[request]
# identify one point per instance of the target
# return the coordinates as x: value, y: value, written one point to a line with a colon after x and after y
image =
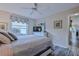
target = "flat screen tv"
x: 37, y: 29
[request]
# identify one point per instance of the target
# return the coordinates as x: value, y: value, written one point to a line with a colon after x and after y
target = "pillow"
x: 13, y: 36
x: 4, y: 39
x: 6, y: 35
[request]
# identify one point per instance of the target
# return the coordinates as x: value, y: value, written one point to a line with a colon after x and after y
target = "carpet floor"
x: 59, y: 51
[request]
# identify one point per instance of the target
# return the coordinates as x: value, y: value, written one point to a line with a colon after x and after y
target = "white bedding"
x: 27, y: 42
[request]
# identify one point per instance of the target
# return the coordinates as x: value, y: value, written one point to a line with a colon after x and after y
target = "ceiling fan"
x: 34, y: 9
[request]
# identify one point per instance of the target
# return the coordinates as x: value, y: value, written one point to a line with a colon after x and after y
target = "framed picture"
x: 58, y: 24
x: 3, y: 26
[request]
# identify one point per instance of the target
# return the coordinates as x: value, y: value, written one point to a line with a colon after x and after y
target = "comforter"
x: 30, y: 45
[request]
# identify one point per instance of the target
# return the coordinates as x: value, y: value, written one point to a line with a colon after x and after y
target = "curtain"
x: 19, y: 18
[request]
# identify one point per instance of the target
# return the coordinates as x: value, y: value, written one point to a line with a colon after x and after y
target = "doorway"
x: 74, y: 33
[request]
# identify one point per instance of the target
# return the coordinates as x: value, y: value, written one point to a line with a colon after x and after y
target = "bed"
x: 29, y: 45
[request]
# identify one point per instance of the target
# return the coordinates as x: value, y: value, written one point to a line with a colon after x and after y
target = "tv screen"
x: 37, y: 29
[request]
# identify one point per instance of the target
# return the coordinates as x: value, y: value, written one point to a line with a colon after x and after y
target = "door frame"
x: 69, y: 25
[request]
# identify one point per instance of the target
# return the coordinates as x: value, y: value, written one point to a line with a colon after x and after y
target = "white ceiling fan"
x: 34, y: 9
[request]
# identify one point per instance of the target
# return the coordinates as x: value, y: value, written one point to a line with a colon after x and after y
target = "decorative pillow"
x: 4, y: 39
x: 13, y: 36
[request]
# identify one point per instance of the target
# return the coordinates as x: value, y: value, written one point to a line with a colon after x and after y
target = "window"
x: 19, y: 28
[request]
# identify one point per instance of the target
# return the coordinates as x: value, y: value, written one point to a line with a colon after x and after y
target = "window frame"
x: 27, y: 28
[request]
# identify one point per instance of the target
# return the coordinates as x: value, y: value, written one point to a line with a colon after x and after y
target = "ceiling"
x: 45, y: 9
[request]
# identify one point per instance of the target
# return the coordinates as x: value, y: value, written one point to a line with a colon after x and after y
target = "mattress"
x: 28, y: 45
x: 35, y: 50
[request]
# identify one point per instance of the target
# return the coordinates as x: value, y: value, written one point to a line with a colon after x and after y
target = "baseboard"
x: 60, y: 46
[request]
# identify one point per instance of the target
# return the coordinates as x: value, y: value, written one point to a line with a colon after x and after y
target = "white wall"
x: 5, y: 18
x: 60, y: 36
x: 75, y: 20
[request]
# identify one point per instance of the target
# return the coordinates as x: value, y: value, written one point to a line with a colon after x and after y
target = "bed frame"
x: 41, y: 50
x: 45, y: 52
